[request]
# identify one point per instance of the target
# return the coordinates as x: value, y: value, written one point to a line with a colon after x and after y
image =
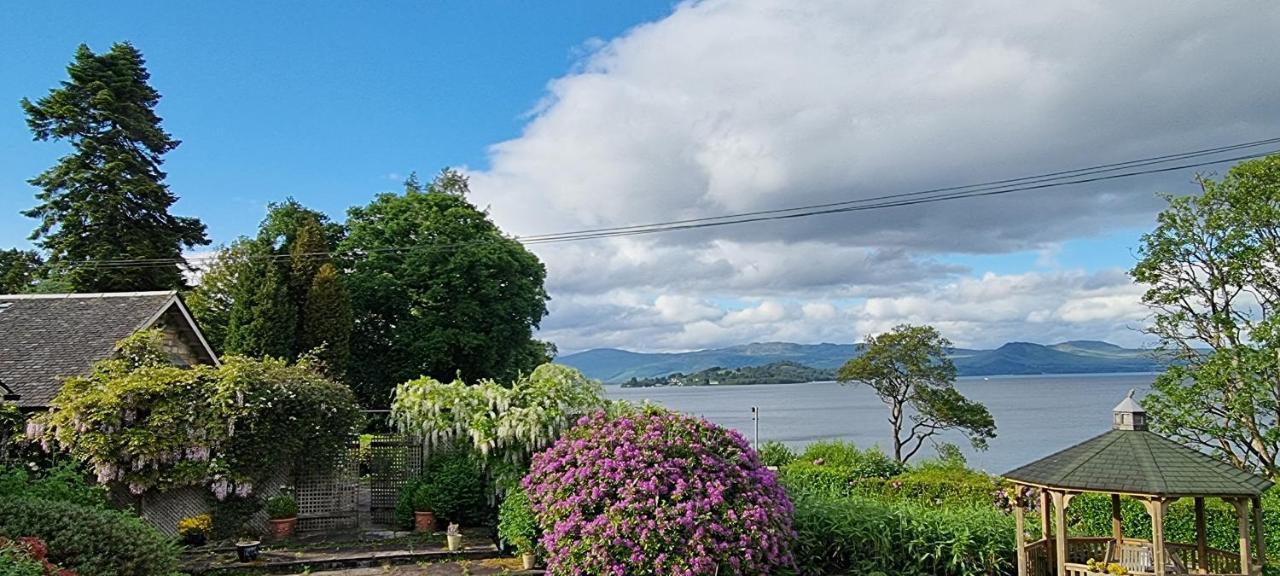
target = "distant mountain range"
x: 1076, y: 357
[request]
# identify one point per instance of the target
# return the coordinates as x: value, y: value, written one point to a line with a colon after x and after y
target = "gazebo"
x: 1131, y: 461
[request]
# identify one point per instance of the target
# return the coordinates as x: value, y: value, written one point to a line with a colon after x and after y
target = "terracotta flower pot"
x: 454, y: 541
x: 528, y: 560
x: 424, y: 521
x: 283, y: 528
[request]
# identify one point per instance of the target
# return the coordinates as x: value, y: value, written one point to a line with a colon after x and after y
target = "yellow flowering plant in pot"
x: 195, y: 530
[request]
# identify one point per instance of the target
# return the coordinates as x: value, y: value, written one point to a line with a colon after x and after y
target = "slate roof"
x: 1139, y: 462
x: 47, y: 337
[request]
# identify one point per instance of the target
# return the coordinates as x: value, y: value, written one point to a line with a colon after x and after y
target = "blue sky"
x: 582, y: 114
x: 321, y: 101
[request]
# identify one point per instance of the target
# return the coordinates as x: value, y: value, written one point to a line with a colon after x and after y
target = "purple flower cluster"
x: 658, y: 493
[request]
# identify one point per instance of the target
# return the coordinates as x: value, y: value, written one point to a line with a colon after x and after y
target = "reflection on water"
x: 1035, y: 415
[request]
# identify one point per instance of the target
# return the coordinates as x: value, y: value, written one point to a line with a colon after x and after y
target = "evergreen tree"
x: 307, y: 253
x: 327, y: 320
x: 263, y: 319
x: 107, y: 199
x: 213, y: 298
x: 20, y: 270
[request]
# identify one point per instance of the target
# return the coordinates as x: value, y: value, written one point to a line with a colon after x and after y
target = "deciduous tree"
x: 107, y: 199
x: 909, y: 370
x: 438, y: 290
x: 1212, y: 271
x: 20, y: 270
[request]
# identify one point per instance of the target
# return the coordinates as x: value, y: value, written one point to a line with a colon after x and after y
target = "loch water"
x: 1035, y: 415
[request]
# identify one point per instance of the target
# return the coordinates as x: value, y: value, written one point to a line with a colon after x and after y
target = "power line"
x: 1061, y: 178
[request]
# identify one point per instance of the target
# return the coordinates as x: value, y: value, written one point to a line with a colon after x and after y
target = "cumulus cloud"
x: 729, y: 106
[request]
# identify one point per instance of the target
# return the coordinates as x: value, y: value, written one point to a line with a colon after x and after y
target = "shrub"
x: 517, y: 524
x: 452, y: 486
x: 64, y: 482
x: 17, y: 560
x: 89, y: 541
x: 200, y: 525
x: 658, y: 493
x: 869, y: 463
x: 853, y: 535
x: 776, y: 454
x: 142, y: 423
x: 934, y: 482
x: 282, y: 506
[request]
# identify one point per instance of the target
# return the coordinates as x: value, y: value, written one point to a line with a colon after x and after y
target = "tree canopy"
x: 107, y: 199
x: 1210, y: 267
x: 908, y: 369
x: 438, y: 290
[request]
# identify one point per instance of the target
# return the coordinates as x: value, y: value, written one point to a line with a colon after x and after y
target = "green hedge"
x: 92, y: 542
x: 64, y: 482
x: 853, y: 535
x: 1091, y: 514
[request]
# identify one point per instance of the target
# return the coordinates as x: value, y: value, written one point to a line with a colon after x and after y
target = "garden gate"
x: 392, y: 460
x: 361, y: 487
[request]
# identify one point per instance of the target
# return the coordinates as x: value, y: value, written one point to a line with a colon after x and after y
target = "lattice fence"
x: 392, y: 460
x: 327, y: 497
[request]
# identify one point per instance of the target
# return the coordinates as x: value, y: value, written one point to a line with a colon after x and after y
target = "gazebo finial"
x: 1129, y: 414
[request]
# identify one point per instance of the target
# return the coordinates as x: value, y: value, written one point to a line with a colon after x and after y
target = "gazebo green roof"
x: 1139, y: 462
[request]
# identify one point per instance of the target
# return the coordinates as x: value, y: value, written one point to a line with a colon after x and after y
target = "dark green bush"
x: 852, y: 535
x: 90, y: 541
x: 452, y: 485
x: 64, y: 482
x: 517, y: 524
x: 776, y: 454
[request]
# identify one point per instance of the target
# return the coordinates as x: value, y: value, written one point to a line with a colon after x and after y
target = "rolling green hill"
x: 1075, y: 357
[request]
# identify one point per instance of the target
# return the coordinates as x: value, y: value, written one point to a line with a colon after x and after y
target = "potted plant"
x: 424, y: 519
x: 453, y: 537
x: 518, y: 526
x: 195, y: 530
x: 283, y: 511
x: 247, y: 549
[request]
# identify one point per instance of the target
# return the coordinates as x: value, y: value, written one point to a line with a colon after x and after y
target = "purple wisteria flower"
x: 658, y: 493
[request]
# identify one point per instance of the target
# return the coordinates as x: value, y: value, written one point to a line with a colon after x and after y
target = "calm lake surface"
x: 1035, y: 415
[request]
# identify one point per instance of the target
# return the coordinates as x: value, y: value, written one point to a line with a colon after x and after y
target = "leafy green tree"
x: 107, y: 199
x: 263, y: 320
x: 439, y: 290
x: 297, y: 239
x: 327, y: 320
x: 1210, y: 268
x: 908, y: 369
x: 20, y: 270
x: 213, y: 298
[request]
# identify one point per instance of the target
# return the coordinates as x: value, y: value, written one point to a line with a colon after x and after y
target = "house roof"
x: 45, y: 338
x: 1139, y: 462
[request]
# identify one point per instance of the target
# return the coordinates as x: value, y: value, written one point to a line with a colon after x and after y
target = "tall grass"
x: 855, y: 535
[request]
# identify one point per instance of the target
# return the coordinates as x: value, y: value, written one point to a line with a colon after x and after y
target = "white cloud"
x: 756, y: 104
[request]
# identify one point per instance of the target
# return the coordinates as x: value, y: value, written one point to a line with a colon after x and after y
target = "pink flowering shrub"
x: 658, y: 493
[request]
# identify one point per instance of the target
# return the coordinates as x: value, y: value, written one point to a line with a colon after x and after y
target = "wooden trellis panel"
x: 392, y: 460
x: 327, y: 496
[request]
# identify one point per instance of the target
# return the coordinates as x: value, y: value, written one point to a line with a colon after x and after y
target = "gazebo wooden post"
x: 1155, y: 507
x: 1019, y: 524
x: 1202, y: 541
x: 1045, y: 523
x: 1117, y: 529
x: 1242, y: 518
x: 1259, y: 531
x: 1060, y: 502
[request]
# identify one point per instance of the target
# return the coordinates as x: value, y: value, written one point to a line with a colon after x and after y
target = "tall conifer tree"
x: 107, y: 199
x: 327, y: 320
